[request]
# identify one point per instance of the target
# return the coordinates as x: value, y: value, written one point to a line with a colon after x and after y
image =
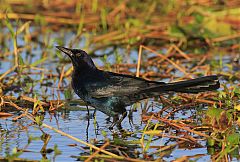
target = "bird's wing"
x: 120, y: 85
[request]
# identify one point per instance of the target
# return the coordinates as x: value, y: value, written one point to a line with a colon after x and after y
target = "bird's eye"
x: 78, y: 54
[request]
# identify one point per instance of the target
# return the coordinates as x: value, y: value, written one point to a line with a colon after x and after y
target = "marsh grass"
x: 171, y: 40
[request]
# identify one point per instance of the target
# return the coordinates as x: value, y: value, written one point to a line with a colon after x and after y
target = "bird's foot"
x: 117, y: 121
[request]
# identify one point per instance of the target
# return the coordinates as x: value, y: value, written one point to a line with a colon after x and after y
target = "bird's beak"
x: 65, y: 50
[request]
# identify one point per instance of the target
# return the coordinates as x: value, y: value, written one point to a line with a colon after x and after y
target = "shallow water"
x: 75, y: 123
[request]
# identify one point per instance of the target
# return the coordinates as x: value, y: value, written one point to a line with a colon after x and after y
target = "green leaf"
x: 39, y: 61
x: 218, y: 27
x: 210, y: 142
x: 227, y: 12
x: 199, y: 18
x: 94, y: 5
x: 237, y: 107
x: 38, y: 120
x: 103, y: 16
x: 59, y: 54
x: 175, y: 31
x: 56, y: 150
x: 39, y: 19
x: 23, y: 27
x: 222, y: 95
x: 214, y: 112
x: 68, y: 94
x: 10, y: 27
x: 45, y: 160
x: 104, y: 133
x: 20, y: 60
x: 233, y: 139
x: 14, y: 150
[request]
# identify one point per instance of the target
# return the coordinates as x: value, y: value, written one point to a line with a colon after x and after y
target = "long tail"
x: 207, y: 83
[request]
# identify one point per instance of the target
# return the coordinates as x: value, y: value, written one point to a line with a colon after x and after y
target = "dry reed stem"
x: 61, y: 77
x: 181, y: 52
x: 186, y: 158
x: 15, y: 50
x: 5, y: 115
x: 225, y: 38
x: 165, y: 148
x: 171, y: 146
x: 8, y: 71
x: 139, y: 60
x: 49, y: 19
x: 82, y: 142
x: 175, y: 137
x: 96, y: 152
x: 199, y: 63
x: 170, y: 61
x: 199, y: 100
x: 33, y: 100
x: 170, y: 122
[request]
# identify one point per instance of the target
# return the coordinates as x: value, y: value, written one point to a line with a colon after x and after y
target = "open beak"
x: 65, y: 50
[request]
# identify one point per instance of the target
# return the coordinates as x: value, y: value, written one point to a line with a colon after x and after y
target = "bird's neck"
x: 81, y: 77
x: 83, y: 71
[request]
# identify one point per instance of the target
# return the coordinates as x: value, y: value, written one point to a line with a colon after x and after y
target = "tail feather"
x: 207, y: 83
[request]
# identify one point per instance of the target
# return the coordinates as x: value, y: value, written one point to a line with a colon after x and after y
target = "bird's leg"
x: 95, y: 123
x: 119, y: 126
x: 88, y: 112
x: 117, y: 121
x: 123, y: 117
x: 88, y: 123
x: 130, y: 117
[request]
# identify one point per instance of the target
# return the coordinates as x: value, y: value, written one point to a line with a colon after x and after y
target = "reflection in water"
x: 37, y: 143
x: 41, y: 143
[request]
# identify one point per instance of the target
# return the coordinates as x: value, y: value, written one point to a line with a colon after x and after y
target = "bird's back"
x: 101, y: 84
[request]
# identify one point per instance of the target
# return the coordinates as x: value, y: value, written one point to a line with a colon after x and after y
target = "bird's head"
x: 80, y: 59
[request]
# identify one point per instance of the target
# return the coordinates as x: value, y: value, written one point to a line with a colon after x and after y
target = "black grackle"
x: 110, y: 92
